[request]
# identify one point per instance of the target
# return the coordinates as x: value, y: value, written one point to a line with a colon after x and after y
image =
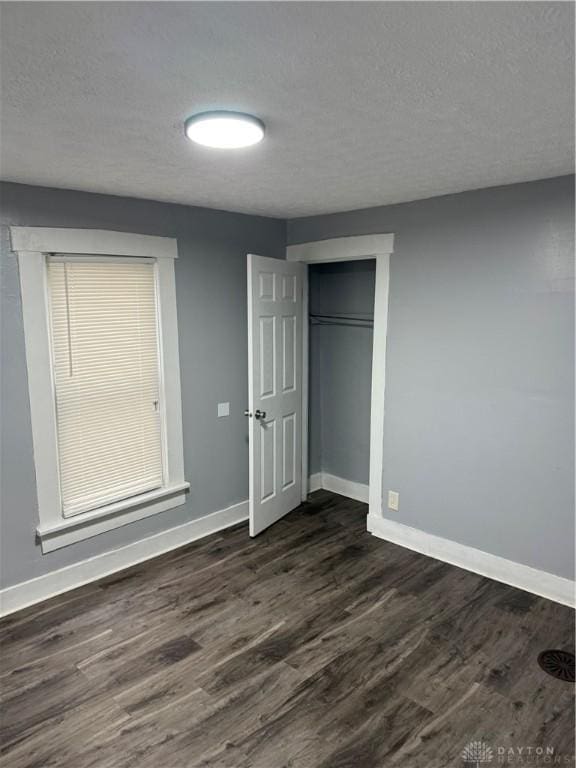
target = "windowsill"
x: 88, y: 524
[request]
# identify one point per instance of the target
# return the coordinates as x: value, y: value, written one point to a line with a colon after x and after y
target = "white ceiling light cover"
x: 224, y: 130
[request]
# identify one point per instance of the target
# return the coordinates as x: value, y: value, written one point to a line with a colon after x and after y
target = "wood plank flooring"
x: 315, y: 645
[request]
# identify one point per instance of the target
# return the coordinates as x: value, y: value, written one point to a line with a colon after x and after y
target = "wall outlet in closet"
x: 393, y: 500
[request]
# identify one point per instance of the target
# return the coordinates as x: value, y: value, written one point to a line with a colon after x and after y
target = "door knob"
x: 247, y: 413
x: 260, y: 414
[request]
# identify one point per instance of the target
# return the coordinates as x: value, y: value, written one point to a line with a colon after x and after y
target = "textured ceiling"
x: 365, y: 103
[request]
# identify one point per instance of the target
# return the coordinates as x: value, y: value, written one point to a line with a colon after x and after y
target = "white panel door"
x: 274, y: 388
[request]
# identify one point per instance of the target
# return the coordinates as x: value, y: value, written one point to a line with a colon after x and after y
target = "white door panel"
x: 275, y: 388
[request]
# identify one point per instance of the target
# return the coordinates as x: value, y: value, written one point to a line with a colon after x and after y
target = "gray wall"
x: 479, y: 390
x: 211, y: 295
x: 341, y: 370
x: 479, y: 419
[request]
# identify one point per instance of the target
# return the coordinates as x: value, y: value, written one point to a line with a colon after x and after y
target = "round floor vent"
x: 559, y: 664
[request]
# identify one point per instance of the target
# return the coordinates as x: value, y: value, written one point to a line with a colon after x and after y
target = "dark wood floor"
x: 314, y: 645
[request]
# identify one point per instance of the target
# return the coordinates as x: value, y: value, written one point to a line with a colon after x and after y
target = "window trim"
x: 33, y: 245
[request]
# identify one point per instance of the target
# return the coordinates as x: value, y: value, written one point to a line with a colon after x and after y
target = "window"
x: 106, y: 380
x: 102, y: 353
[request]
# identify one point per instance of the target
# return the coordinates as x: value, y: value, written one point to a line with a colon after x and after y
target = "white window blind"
x: 106, y: 375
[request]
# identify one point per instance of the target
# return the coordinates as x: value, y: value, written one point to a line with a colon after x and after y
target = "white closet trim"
x: 378, y: 247
x: 342, y: 249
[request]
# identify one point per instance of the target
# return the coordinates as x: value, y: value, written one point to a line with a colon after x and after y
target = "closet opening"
x: 343, y: 420
x: 340, y: 350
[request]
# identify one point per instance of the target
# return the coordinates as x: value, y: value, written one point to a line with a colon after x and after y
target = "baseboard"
x: 356, y: 491
x: 524, y: 577
x: 64, y: 579
x: 541, y: 583
x: 315, y: 482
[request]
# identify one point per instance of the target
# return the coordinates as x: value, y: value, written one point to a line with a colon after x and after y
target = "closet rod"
x: 343, y: 316
x: 354, y: 322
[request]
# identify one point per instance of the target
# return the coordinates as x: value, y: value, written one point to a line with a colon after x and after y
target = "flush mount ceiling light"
x: 224, y: 130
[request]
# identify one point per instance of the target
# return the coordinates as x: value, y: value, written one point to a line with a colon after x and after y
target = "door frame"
x: 356, y: 248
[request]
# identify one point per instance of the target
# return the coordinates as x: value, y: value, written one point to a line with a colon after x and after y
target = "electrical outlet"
x: 223, y: 409
x: 393, y: 500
